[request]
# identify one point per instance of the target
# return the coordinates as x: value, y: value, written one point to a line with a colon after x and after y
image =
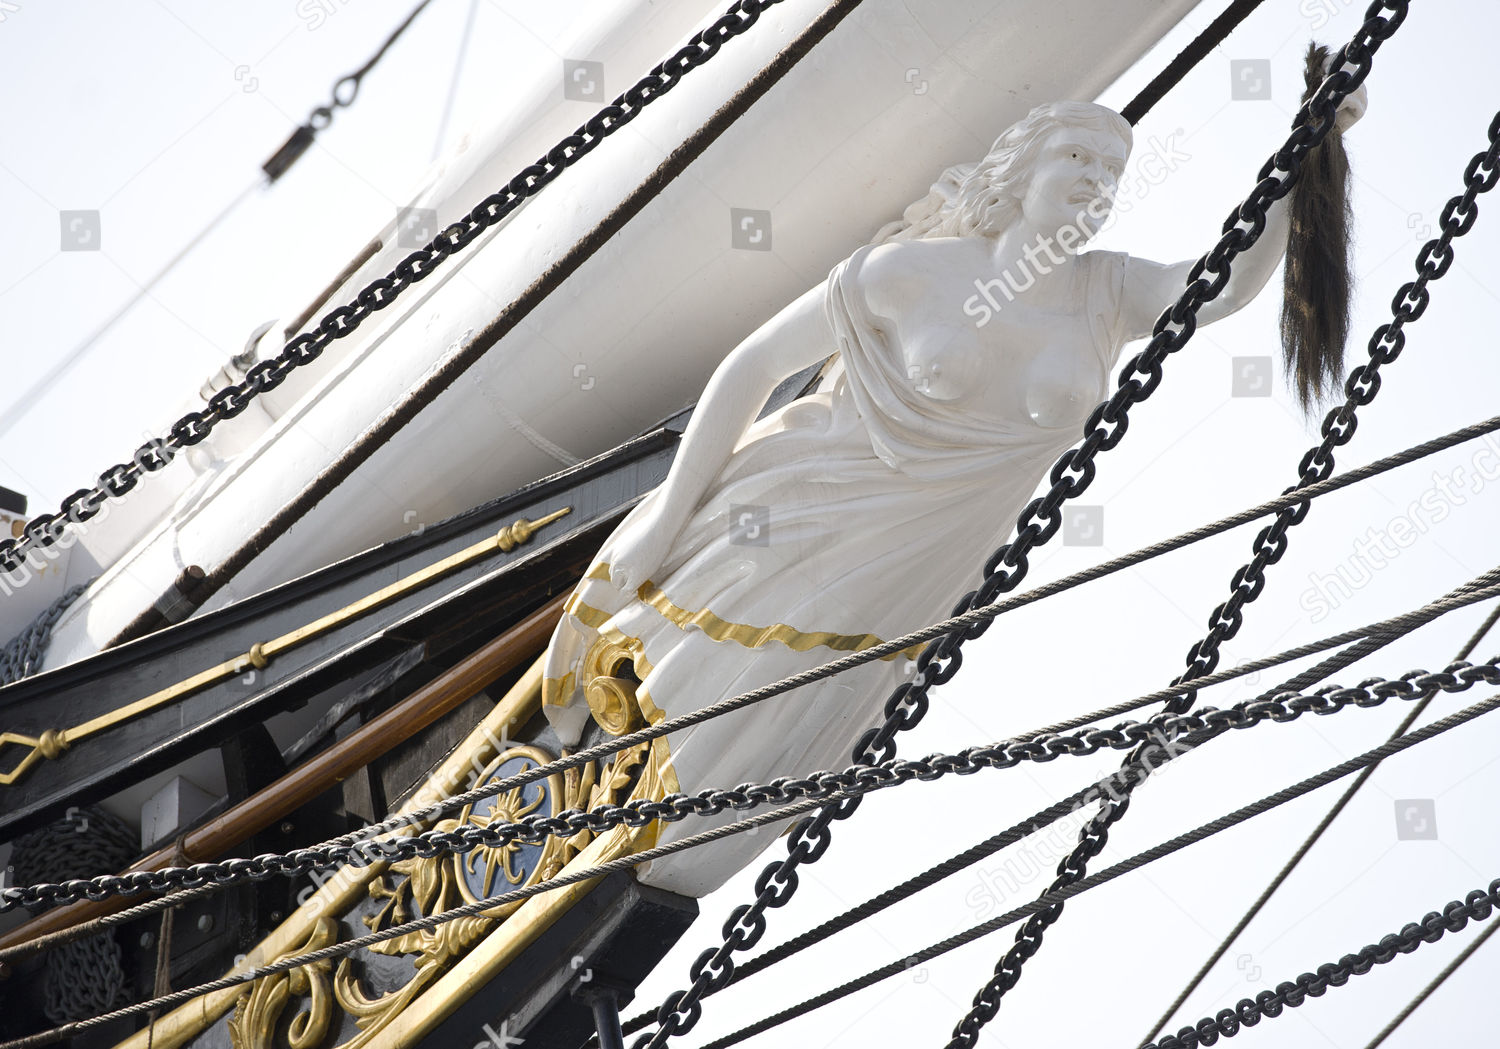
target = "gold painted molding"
x: 534, y: 917
x: 449, y: 962
x: 758, y: 636
x: 53, y: 742
x: 557, y: 692
x: 344, y: 889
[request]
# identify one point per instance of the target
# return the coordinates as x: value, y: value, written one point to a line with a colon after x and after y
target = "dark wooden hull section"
x: 384, y: 651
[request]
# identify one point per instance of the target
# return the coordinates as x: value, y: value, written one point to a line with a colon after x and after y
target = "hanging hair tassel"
x: 1317, y: 278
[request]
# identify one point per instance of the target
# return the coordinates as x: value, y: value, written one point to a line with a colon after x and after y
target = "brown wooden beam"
x: 320, y: 772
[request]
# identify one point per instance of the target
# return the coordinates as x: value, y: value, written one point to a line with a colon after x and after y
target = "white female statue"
x: 972, y: 340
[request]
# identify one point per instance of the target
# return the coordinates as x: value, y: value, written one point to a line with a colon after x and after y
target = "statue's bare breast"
x: 1028, y: 362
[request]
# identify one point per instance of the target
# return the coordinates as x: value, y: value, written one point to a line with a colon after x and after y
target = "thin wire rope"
x: 32, y: 397
x: 852, y: 783
x: 1293, y: 993
x: 774, y: 815
x: 1311, y: 840
x: 458, y: 70
x: 359, y: 74
x: 29, y: 400
x: 1011, y: 835
x: 174, y: 899
x: 1039, y: 521
x: 1363, y: 383
x: 1377, y: 634
x: 1140, y: 859
x: 119, y: 480
x: 420, y: 924
x: 897, y: 645
x: 1437, y: 982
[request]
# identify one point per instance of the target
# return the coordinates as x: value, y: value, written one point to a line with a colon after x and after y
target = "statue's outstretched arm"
x: 1151, y: 287
x: 795, y: 338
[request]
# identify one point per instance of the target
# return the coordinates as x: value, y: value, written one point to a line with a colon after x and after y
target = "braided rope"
x: 536, y: 828
x: 1062, y: 894
x: 818, y: 791
x: 400, y: 822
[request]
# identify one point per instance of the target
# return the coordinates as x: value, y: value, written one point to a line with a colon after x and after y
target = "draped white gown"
x: 882, y: 504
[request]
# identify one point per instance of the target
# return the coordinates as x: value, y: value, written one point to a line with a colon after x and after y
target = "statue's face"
x: 1073, y: 181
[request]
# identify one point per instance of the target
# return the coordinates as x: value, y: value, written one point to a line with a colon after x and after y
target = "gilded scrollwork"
x: 257, y: 1015
x: 411, y: 888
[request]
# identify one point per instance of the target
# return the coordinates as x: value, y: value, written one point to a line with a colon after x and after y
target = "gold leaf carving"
x: 258, y: 1012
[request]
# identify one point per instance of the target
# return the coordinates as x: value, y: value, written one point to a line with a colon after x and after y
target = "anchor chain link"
x: 156, y: 454
x: 1039, y: 522
x: 747, y: 926
x: 1363, y: 382
x: 1477, y: 906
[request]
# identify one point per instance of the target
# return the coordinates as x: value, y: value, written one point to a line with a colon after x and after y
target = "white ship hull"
x: 848, y: 138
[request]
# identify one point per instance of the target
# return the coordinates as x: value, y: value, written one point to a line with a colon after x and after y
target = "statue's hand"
x: 637, y: 553
x: 1351, y: 109
x: 1353, y: 105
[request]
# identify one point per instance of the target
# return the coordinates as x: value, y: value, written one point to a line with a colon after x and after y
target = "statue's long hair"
x: 1318, y: 280
x: 973, y: 199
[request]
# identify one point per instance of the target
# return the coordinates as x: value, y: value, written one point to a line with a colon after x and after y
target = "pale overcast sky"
x: 158, y: 115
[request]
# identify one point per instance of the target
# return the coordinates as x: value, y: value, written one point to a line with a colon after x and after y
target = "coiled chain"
x: 1160, y: 730
x: 157, y: 453
x: 1042, y: 518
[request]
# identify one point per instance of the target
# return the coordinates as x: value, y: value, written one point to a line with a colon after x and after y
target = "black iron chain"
x: 1042, y: 518
x: 1477, y: 906
x: 1363, y: 383
x: 157, y: 453
x: 1160, y: 730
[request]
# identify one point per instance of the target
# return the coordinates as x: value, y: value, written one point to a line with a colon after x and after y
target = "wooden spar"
x: 319, y: 773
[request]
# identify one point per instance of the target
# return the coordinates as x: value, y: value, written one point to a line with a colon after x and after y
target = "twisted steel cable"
x: 1040, y: 521
x: 1363, y: 383
x: 807, y: 794
x: 538, y: 827
x: 1312, y: 839
x: 1061, y: 895
x: 157, y: 453
x: 1378, y: 637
